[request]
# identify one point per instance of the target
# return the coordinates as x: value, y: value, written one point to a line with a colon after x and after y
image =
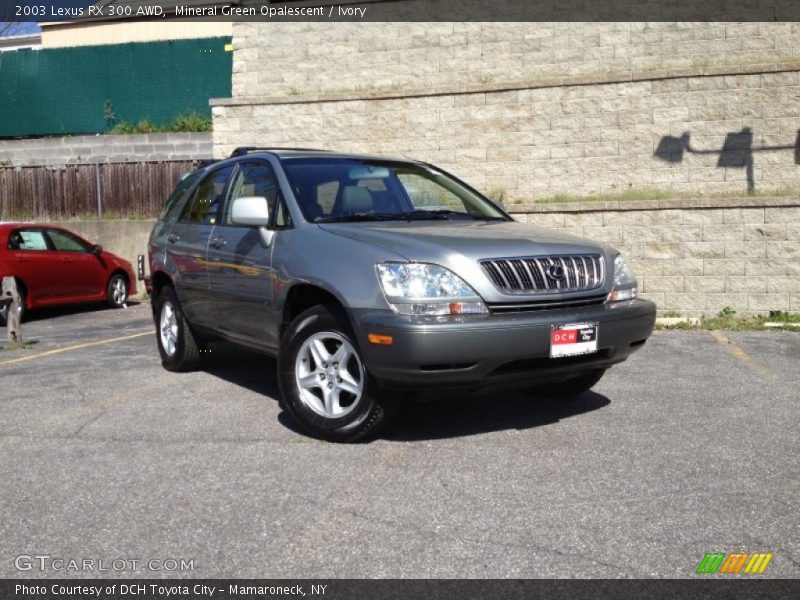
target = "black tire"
x: 184, y: 354
x: 570, y: 387
x: 22, y: 309
x: 366, y: 413
x: 117, y: 291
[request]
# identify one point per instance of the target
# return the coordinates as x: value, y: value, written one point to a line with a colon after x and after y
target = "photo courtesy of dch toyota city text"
x: 399, y: 299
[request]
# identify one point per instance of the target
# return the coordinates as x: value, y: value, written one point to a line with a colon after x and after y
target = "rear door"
x: 31, y: 260
x: 238, y: 261
x: 85, y: 271
x: 187, y: 244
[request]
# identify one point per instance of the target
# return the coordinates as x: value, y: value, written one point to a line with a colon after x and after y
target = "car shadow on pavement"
x: 52, y: 312
x: 436, y: 419
x: 459, y: 417
x: 255, y: 372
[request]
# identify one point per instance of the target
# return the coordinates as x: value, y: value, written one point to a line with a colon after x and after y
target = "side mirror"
x: 97, y: 249
x: 250, y: 210
x: 253, y: 211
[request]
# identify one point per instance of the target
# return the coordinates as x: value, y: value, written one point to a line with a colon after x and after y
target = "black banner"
x: 403, y: 10
x: 403, y: 589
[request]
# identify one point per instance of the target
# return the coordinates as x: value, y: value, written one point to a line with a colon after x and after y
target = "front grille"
x: 518, y: 307
x: 535, y: 274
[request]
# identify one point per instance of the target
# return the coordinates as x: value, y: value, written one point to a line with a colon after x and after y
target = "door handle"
x: 218, y: 242
x: 173, y: 237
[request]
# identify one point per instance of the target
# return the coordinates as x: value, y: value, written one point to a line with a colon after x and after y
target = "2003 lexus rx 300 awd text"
x: 369, y: 277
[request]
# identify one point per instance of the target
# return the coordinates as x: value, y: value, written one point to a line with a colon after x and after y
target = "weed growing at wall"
x: 191, y: 122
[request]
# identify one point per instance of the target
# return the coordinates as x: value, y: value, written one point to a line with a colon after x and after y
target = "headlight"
x: 425, y: 289
x: 624, y: 281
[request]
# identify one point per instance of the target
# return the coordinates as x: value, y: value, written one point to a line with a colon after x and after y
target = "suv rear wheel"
x: 176, y: 343
x: 324, y: 382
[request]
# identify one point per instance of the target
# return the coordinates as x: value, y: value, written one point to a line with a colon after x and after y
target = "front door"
x: 86, y: 272
x: 239, y: 262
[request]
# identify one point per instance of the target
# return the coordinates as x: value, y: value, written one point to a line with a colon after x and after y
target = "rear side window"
x: 27, y: 239
x: 177, y: 198
x: 66, y: 242
x: 204, y: 205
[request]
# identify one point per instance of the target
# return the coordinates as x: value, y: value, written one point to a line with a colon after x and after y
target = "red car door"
x: 85, y: 273
x: 32, y: 261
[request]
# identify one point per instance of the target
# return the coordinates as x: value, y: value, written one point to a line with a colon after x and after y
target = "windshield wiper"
x: 445, y: 213
x: 360, y: 217
x: 411, y: 215
x: 425, y: 214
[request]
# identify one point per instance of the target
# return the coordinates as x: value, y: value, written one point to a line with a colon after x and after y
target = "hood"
x: 439, y: 241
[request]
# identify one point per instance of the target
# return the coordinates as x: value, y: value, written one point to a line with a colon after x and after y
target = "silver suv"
x: 372, y: 278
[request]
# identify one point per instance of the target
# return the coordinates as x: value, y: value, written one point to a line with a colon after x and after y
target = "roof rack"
x: 242, y: 150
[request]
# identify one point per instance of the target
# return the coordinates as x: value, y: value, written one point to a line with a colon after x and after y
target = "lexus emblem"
x: 555, y: 272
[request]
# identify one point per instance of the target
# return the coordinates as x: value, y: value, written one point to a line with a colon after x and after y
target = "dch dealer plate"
x: 573, y: 339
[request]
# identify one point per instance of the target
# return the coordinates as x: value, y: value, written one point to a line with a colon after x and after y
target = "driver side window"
x: 205, y: 204
x: 252, y: 179
x: 65, y: 242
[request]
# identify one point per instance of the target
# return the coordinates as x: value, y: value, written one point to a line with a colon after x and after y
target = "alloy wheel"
x: 168, y: 330
x: 329, y: 374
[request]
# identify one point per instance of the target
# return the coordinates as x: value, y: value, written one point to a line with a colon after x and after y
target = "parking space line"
x: 76, y: 347
x: 753, y: 364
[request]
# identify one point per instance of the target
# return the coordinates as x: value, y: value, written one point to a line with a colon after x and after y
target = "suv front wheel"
x: 324, y: 382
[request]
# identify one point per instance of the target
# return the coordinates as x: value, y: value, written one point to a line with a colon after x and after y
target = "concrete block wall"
x: 531, y: 109
x: 696, y: 257
x: 105, y: 148
x: 298, y: 59
x: 572, y: 139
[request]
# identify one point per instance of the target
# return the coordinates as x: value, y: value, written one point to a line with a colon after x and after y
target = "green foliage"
x: 652, y: 194
x: 629, y: 195
x: 778, y: 316
x: 727, y: 319
x: 670, y: 314
x: 184, y: 123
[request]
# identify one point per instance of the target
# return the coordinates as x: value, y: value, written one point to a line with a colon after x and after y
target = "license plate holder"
x: 573, y: 339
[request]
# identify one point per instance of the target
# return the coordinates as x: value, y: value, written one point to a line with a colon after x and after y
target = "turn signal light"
x: 380, y: 340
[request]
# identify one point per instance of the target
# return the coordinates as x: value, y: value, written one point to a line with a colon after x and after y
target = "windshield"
x: 345, y: 189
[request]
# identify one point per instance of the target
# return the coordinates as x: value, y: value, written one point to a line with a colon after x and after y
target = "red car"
x: 55, y: 266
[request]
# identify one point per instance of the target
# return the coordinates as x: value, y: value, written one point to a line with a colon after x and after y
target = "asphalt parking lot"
x: 690, y: 447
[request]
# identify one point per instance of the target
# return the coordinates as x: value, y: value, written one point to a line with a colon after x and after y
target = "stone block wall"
x: 531, y: 110
x: 696, y: 257
x: 301, y: 59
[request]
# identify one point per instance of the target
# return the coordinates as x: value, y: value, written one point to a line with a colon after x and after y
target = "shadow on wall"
x: 737, y: 151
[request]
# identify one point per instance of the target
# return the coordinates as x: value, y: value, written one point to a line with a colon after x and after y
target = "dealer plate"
x: 573, y: 339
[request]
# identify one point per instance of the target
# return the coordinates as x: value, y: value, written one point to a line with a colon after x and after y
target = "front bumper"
x: 495, y: 351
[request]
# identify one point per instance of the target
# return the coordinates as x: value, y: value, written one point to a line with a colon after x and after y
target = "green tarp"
x: 88, y: 89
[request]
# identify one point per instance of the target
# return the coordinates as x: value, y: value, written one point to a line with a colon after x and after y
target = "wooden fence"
x: 106, y: 190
